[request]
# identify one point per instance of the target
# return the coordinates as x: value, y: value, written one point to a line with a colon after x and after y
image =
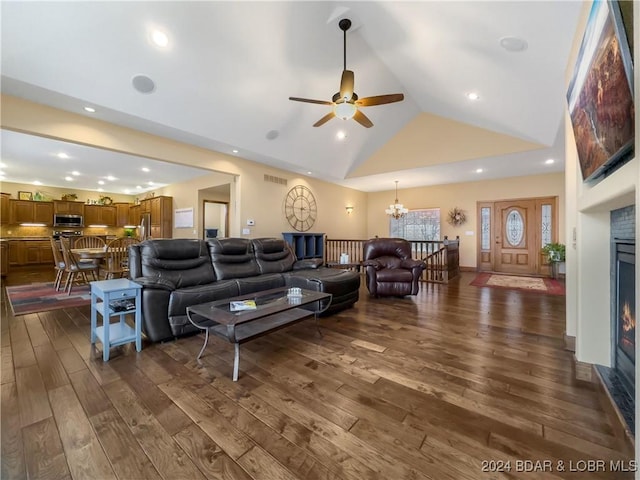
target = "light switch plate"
x: 246, y: 231
x: 469, y: 233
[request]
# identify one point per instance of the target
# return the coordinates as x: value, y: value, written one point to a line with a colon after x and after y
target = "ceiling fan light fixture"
x: 345, y: 110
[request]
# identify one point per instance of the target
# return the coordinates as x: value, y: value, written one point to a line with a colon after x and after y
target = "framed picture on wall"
x: 25, y: 196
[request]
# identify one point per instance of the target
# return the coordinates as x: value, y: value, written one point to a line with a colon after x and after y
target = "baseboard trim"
x: 584, y: 370
x: 468, y: 269
x: 570, y: 343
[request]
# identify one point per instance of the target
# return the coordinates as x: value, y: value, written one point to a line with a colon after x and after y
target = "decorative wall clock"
x: 300, y: 208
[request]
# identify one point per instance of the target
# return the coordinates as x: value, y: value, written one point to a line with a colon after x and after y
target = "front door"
x: 512, y: 233
x: 515, y: 247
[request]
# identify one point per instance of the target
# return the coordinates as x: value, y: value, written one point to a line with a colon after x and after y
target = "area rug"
x: 41, y: 297
x: 514, y: 282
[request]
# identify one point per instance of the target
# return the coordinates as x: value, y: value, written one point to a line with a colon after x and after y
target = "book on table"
x: 240, y: 305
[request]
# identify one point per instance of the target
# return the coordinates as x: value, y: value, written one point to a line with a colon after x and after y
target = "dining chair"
x: 117, y: 259
x: 59, y: 264
x: 73, y: 267
x: 89, y: 241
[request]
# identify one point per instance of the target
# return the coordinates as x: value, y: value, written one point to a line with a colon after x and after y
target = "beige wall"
x: 252, y: 197
x: 465, y: 196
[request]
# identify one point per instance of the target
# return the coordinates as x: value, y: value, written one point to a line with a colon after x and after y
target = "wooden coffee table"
x: 274, y: 310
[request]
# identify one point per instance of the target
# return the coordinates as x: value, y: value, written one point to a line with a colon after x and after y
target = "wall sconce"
x: 349, y: 209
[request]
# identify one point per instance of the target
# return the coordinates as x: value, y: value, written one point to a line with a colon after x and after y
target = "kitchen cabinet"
x: 4, y: 208
x: 134, y: 215
x: 69, y: 208
x: 100, y: 215
x: 161, y: 217
x: 28, y: 211
x: 4, y: 258
x: 122, y: 214
x: 29, y: 252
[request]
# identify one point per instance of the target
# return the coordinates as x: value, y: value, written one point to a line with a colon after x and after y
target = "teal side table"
x: 103, y: 295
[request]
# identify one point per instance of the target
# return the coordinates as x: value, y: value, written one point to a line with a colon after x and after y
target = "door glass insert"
x: 485, y: 228
x: 514, y: 228
x: 546, y: 224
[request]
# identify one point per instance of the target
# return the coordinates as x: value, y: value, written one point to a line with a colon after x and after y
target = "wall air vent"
x: 272, y: 179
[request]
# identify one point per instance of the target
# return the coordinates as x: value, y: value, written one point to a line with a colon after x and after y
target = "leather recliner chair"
x: 389, y: 268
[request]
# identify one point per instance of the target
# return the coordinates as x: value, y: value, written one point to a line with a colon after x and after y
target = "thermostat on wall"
x: 251, y: 222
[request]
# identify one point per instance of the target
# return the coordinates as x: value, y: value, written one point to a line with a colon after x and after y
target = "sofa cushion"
x: 260, y: 283
x: 394, y: 275
x: 185, y: 297
x: 232, y: 258
x: 183, y: 262
x: 273, y: 255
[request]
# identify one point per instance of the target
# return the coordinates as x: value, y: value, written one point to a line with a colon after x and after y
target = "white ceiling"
x: 225, y: 78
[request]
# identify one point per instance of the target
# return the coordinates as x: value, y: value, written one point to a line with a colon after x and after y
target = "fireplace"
x: 624, y: 314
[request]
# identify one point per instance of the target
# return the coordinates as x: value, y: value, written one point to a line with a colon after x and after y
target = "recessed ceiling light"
x: 101, y: 189
x: 513, y: 44
x: 90, y: 109
x: 149, y: 183
x: 549, y: 161
x: 68, y: 178
x: 111, y: 178
x: 159, y: 38
x: 473, y: 96
x: 75, y: 173
x: 138, y: 187
x: 341, y: 135
x: 3, y: 165
x: 62, y: 155
x: 100, y: 182
x: 309, y: 173
x: 37, y: 182
x: 144, y: 169
x: 234, y: 150
x: 479, y: 170
x: 126, y: 190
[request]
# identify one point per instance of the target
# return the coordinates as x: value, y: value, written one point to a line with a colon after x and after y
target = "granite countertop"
x: 6, y: 239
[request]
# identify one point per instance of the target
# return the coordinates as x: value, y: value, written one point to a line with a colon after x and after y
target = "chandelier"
x: 396, y: 210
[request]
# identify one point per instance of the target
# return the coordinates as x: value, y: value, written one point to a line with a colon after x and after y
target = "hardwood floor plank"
x: 89, y: 393
x: 37, y: 334
x: 165, y: 454
x: 51, y: 369
x: 84, y: 453
x: 259, y: 464
x: 32, y: 395
x: 233, y: 442
x: 208, y: 456
x: 7, y: 374
x: 56, y: 334
x: 43, y: 451
x: 122, y: 449
x: 71, y: 360
x: 11, y: 447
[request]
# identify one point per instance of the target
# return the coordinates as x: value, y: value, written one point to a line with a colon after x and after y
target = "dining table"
x: 89, y: 253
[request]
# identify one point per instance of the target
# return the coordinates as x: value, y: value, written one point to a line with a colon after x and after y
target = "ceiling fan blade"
x: 380, y: 100
x: 346, y: 85
x: 362, y: 119
x: 308, y: 100
x: 324, y: 119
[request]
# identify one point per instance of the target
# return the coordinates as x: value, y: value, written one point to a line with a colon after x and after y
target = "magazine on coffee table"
x: 240, y: 305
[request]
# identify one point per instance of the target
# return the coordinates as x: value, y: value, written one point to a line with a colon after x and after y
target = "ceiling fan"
x: 346, y: 102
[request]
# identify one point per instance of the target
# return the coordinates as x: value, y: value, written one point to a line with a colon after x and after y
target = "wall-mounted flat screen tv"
x: 600, y: 95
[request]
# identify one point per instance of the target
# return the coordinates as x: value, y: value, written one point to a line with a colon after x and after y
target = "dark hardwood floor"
x: 459, y: 382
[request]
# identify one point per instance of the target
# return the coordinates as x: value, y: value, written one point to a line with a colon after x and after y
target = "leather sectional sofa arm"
x: 155, y: 283
x: 307, y: 263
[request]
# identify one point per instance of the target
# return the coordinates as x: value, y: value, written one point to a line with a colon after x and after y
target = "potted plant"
x: 555, y: 253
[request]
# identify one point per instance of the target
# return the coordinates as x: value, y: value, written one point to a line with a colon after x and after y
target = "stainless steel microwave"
x: 65, y: 220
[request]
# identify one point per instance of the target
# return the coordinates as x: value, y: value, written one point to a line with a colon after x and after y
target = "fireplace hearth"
x: 620, y: 379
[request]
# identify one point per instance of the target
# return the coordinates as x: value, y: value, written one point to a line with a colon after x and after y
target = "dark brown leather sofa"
x: 389, y: 268
x: 177, y: 273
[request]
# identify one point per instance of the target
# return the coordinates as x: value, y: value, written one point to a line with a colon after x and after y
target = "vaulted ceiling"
x: 224, y: 79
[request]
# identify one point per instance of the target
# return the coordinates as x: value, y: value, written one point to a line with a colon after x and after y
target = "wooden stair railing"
x: 441, y: 257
